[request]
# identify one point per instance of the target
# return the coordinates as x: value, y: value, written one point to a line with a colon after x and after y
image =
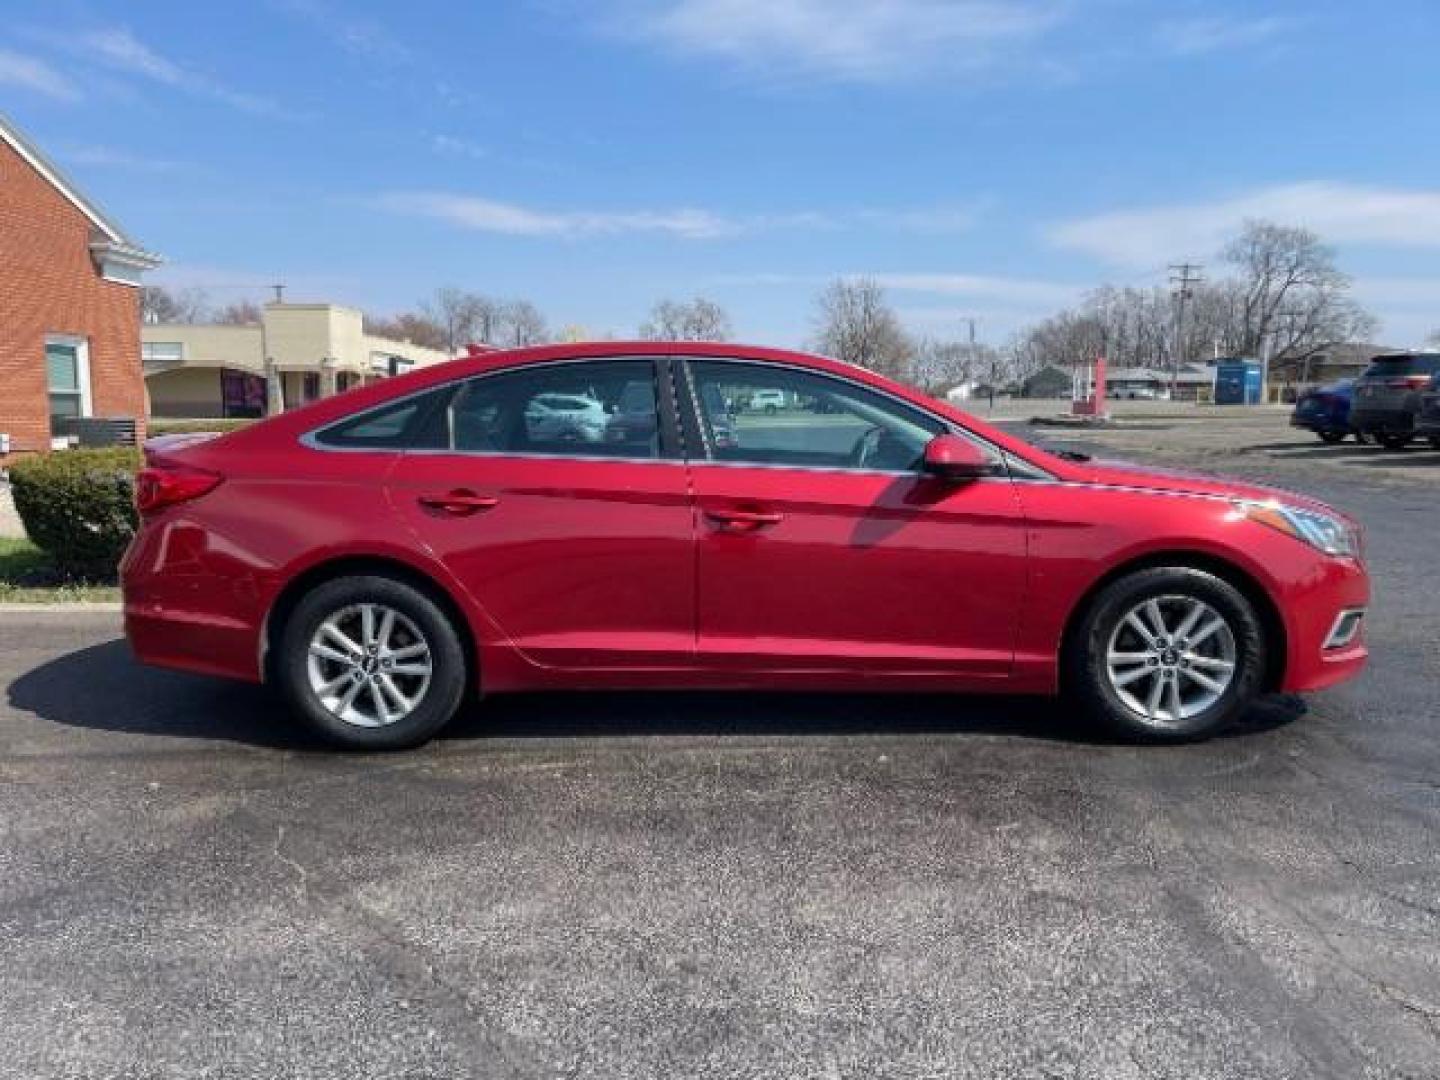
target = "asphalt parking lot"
x: 702, y: 885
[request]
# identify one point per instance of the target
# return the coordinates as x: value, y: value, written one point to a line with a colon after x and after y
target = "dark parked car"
x: 1427, y: 421
x: 1387, y: 396
x: 1325, y: 410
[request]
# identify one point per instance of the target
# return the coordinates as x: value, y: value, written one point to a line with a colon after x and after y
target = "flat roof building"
x: 203, y: 371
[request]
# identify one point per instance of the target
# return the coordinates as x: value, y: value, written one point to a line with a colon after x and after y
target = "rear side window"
x: 1392, y: 367
x: 593, y: 408
x: 414, y: 423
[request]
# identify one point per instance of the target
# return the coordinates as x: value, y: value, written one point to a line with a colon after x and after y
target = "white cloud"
x: 689, y: 223
x: 490, y: 215
x: 110, y: 158
x: 119, y: 49
x: 860, y: 40
x: 32, y: 74
x: 1195, y: 37
x: 453, y: 146
x: 356, y: 34
x: 1340, y: 213
x: 1021, y: 291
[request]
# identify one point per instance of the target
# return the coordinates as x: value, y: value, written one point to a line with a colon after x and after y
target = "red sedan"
x: 683, y: 516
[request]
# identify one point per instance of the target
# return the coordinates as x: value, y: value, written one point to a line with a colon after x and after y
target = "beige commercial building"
x: 203, y: 371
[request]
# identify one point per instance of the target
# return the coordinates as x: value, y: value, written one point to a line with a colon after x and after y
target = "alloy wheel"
x: 369, y: 665
x: 1170, y: 658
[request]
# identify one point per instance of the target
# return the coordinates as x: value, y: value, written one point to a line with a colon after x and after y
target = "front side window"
x: 68, y: 379
x: 594, y: 408
x: 765, y: 415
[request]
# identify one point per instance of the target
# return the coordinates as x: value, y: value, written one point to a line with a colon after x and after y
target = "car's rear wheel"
x: 1394, y: 441
x: 371, y: 663
x: 1167, y: 654
x: 1332, y: 437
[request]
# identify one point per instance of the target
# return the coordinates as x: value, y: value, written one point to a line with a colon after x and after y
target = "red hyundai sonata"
x: 683, y: 516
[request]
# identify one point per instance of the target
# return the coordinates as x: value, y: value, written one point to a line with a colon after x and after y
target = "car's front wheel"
x: 371, y: 663
x: 1393, y: 441
x: 1167, y: 654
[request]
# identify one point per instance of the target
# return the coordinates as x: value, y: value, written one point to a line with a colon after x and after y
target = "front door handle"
x: 462, y: 502
x: 744, y: 520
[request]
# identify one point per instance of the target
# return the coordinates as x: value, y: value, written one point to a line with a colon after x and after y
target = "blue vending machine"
x: 1237, y: 382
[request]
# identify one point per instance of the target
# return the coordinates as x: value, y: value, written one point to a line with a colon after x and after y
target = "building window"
x: 311, y: 386
x: 67, y: 368
x: 162, y: 354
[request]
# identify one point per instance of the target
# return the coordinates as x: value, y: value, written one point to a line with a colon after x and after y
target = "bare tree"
x: 240, y: 313
x: 942, y: 365
x: 855, y: 324
x: 1293, y: 293
x: 519, y: 323
x: 161, y: 305
x: 463, y: 316
x: 697, y: 320
x: 408, y: 326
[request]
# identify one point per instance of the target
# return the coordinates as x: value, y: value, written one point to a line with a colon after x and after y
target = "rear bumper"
x: 183, y: 611
x: 1383, y: 421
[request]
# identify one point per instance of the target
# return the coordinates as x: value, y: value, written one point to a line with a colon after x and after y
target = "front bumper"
x: 1325, y: 638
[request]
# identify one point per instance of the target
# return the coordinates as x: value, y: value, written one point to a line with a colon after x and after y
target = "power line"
x: 1183, y: 279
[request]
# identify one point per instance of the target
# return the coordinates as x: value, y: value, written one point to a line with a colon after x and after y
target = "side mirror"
x: 949, y: 457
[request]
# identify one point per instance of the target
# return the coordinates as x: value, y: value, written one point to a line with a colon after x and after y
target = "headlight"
x: 1324, y: 532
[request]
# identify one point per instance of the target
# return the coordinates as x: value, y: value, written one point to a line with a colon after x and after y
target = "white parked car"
x: 767, y: 401
x: 565, y: 418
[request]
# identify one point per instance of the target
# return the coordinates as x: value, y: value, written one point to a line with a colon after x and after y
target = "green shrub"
x: 78, y: 506
x: 187, y: 427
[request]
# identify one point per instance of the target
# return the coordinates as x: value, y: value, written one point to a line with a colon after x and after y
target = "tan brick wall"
x: 49, y: 284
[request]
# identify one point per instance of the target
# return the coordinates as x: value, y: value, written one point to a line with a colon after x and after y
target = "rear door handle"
x: 744, y: 520
x: 462, y: 502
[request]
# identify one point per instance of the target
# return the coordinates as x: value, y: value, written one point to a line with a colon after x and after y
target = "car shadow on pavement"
x: 102, y: 688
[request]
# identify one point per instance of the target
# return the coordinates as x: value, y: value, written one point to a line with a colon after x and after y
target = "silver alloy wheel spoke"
x: 369, y: 665
x: 1170, y: 658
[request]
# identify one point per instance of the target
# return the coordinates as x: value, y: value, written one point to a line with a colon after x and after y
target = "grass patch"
x: 28, y: 576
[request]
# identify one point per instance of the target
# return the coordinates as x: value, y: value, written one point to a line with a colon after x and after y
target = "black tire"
x: 1086, y: 668
x: 1393, y: 441
x: 1332, y: 437
x: 437, y: 702
x: 1435, y: 442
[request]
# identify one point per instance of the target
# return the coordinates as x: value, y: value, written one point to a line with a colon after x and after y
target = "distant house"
x: 1333, y: 362
x: 201, y: 371
x: 69, y: 304
x: 1187, y: 384
x: 1051, y: 381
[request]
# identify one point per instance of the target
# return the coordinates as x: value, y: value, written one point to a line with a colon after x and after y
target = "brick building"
x: 69, y: 304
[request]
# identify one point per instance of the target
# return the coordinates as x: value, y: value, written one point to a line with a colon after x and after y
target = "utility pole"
x: 1184, y: 277
x: 279, y: 293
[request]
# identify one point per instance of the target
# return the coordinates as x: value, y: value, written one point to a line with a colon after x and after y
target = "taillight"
x: 1409, y: 382
x: 157, y: 487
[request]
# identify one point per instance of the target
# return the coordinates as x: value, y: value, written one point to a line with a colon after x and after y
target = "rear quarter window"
x: 414, y: 423
x: 1391, y: 367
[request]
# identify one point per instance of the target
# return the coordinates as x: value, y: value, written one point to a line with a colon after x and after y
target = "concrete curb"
x: 111, y: 607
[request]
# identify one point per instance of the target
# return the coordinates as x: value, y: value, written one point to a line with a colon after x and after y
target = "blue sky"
x: 983, y: 158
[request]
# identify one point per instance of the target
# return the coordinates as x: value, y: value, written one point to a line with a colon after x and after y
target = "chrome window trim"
x: 1002, y: 455
x: 310, y: 439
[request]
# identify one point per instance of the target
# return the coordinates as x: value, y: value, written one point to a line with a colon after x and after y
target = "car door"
x: 822, y: 547
x: 575, y: 538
